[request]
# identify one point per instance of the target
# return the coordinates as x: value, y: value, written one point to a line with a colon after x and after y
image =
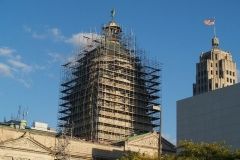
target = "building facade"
x: 30, y: 144
x: 211, y: 117
x: 216, y: 69
x: 109, y: 92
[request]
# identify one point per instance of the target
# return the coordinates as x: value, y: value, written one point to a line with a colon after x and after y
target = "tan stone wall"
x: 78, y: 149
x: 9, y: 154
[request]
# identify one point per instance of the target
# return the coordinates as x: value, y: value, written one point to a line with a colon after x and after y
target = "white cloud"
x: 12, y: 66
x: 56, y: 34
x: 26, y: 83
x: 38, y: 36
x: 33, y: 33
x: 5, y: 51
x: 82, y: 39
x: 56, y: 57
x: 18, y: 65
x: 5, y: 70
x: 53, y: 33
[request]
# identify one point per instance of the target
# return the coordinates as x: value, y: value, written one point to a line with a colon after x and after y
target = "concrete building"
x: 109, y: 92
x: 216, y: 69
x: 42, y: 127
x: 24, y: 143
x: 211, y: 117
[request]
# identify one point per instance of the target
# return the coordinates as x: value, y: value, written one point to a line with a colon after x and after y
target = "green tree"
x: 193, y: 151
x: 136, y: 156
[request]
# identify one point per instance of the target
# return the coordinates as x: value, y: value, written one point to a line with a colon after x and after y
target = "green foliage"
x: 204, y: 151
x: 136, y: 156
x: 193, y: 151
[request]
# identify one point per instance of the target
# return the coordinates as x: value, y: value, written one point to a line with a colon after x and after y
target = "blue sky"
x: 37, y: 36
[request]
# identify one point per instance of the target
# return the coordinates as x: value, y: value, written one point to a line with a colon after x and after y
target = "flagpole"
x: 214, y: 28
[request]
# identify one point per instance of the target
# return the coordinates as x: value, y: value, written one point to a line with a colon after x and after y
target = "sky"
x: 36, y: 37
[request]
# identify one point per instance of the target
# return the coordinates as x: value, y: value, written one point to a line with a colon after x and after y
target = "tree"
x: 188, y: 150
x: 136, y: 156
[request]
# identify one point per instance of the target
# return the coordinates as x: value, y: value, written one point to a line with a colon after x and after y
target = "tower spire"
x: 212, y: 22
x: 215, y: 42
x: 112, y: 30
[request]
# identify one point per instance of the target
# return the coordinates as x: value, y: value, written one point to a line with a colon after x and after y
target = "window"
x: 227, y: 80
x: 216, y: 85
x: 227, y: 71
x: 233, y: 73
x: 216, y: 72
x: 211, y: 64
x: 221, y: 73
x: 230, y: 72
x: 230, y: 80
x: 216, y: 56
x: 211, y: 72
x: 216, y: 65
x: 233, y: 81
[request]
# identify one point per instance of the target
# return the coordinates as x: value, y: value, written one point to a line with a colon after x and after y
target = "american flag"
x: 209, y: 22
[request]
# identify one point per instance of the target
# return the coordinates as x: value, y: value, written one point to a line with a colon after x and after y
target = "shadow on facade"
x: 99, y: 154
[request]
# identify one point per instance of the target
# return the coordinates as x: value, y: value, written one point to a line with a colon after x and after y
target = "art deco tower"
x: 216, y: 69
x: 109, y: 92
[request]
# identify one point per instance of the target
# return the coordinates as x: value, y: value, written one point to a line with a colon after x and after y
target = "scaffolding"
x: 110, y: 91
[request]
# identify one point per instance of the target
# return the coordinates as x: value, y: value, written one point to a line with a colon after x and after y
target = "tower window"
x: 210, y: 86
x: 221, y: 73
x: 211, y: 72
x: 233, y: 73
x: 216, y: 56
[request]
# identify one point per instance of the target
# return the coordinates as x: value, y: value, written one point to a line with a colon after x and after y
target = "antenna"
x: 22, y: 113
x: 25, y: 113
x: 19, y: 112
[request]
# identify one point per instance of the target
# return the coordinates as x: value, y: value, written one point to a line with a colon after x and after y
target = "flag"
x: 209, y: 22
x: 113, y: 13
